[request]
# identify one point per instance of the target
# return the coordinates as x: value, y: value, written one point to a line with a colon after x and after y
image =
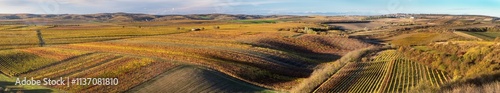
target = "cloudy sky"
x: 326, y: 7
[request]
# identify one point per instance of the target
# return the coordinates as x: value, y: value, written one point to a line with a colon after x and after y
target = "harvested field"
x: 192, y: 79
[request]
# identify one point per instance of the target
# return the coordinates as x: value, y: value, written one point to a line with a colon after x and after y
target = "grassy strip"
x: 484, y: 35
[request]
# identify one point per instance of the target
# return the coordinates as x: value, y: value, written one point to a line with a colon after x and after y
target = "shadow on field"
x: 368, y: 40
x: 3, y: 84
x: 298, y: 50
x: 194, y: 79
x: 37, y: 91
x: 9, y: 87
x: 281, y: 70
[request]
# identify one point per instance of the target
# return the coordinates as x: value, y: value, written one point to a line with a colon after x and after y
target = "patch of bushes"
x: 463, y: 61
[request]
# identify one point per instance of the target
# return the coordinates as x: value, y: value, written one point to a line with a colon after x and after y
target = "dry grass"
x: 492, y: 87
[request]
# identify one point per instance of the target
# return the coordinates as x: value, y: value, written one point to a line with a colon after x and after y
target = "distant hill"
x: 127, y: 17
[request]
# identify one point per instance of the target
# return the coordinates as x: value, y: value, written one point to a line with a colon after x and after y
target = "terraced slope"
x: 131, y: 70
x: 14, y: 62
x: 192, y: 79
x: 388, y: 72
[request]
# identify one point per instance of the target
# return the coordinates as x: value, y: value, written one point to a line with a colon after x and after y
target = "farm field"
x: 418, y: 39
x: 232, y: 57
x: 25, y: 38
x: 89, y: 64
x: 249, y: 53
x: 195, y: 79
x: 415, y: 39
x: 228, y: 50
x: 388, y: 72
x: 485, y: 35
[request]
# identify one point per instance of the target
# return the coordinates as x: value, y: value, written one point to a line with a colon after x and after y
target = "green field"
x: 485, y: 35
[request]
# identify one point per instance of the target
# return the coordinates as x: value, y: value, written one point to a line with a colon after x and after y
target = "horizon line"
x: 284, y: 14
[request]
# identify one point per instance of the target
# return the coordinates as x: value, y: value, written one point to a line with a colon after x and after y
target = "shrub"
x: 497, y: 39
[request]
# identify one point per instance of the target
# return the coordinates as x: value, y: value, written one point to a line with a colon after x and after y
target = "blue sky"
x: 265, y: 7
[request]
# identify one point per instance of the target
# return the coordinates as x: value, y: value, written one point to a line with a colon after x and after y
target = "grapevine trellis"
x: 388, y: 72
